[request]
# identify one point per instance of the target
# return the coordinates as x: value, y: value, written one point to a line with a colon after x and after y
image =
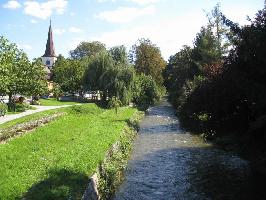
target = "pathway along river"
x: 167, y: 163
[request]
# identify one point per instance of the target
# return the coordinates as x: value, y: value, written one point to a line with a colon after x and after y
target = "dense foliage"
x: 87, y: 49
x: 3, y: 109
x: 68, y: 73
x: 110, y: 72
x: 17, y: 74
x: 145, y: 91
x: 147, y: 59
x: 222, y: 94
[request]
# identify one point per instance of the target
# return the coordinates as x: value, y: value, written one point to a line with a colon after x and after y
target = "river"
x: 168, y: 163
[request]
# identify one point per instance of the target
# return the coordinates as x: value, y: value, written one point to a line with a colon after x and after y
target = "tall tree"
x: 68, y: 73
x: 206, y: 48
x: 110, y: 77
x: 147, y: 59
x: 180, y: 68
x: 18, y: 75
x: 119, y: 54
x: 87, y: 49
x: 220, y: 31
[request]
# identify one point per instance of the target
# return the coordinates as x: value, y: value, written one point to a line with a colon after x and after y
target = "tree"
x: 68, y: 73
x: 180, y: 68
x: 206, y: 48
x: 119, y: 55
x: 98, y: 66
x: 147, y: 59
x: 145, y: 91
x: 220, y: 31
x: 114, y: 80
x: 18, y: 75
x: 39, y: 85
x: 87, y: 49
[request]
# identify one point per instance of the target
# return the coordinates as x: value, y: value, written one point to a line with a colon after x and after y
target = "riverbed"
x: 168, y: 163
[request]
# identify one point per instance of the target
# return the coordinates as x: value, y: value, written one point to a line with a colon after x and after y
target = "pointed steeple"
x: 49, y: 51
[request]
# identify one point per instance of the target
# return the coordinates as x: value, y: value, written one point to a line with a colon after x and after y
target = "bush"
x: 56, y: 90
x: 145, y: 91
x: 3, y: 109
x: 21, y: 107
x: 114, y: 103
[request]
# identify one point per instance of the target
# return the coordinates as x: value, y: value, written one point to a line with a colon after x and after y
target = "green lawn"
x: 55, y: 161
x: 28, y: 118
x: 55, y: 102
x: 18, y: 111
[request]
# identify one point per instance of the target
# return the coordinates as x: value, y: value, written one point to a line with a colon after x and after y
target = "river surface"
x: 168, y: 163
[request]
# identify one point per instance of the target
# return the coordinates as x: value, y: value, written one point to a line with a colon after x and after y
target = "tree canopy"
x: 87, y: 49
x: 18, y: 75
x: 68, y: 73
x: 147, y: 59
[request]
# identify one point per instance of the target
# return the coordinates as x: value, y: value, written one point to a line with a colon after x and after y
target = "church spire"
x: 49, y: 51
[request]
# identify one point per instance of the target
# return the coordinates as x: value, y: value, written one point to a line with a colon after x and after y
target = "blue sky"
x: 169, y: 24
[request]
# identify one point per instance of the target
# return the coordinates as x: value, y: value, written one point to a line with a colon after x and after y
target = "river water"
x: 168, y: 163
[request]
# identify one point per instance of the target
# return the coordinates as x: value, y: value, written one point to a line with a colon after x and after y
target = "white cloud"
x: 75, y: 30
x: 33, y: 21
x: 12, y: 5
x: 45, y: 9
x: 72, y: 14
x: 168, y: 34
x: 59, y: 31
x: 125, y: 14
x: 24, y: 46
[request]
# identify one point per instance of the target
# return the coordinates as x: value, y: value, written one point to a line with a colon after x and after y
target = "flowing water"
x: 167, y: 163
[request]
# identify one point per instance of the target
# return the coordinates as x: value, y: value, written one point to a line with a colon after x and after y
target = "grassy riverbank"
x: 55, y: 161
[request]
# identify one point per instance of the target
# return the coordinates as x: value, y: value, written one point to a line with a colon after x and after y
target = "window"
x: 48, y: 62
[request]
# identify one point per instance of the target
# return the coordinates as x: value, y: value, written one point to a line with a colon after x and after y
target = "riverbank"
x: 110, y: 172
x: 55, y: 161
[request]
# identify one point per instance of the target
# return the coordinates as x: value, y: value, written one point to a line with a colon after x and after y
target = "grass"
x: 19, y: 111
x: 28, y: 118
x: 55, y: 161
x: 55, y: 102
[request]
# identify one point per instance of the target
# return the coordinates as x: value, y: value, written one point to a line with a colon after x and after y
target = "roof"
x: 49, y: 51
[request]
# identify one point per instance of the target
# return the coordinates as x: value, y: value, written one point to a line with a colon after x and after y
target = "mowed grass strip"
x: 55, y: 161
x: 31, y: 117
x: 55, y: 102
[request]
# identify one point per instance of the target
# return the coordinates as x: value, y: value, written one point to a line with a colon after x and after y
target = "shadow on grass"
x: 61, y: 184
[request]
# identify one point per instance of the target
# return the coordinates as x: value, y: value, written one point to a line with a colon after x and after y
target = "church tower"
x: 49, y: 57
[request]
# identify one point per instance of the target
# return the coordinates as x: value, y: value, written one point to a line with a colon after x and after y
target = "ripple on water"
x: 167, y: 163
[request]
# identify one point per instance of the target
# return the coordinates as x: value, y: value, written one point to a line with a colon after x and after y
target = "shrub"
x: 114, y: 103
x: 3, y: 109
x: 146, y: 91
x: 21, y: 107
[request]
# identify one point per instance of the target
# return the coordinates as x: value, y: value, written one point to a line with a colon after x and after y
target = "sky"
x: 169, y: 24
